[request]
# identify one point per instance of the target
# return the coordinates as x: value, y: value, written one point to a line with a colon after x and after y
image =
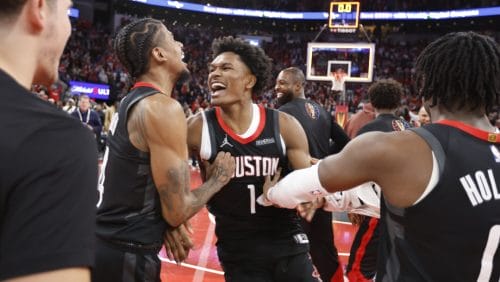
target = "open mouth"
x: 279, y: 94
x: 216, y: 87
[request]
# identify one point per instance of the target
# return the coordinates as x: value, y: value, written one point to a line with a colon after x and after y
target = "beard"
x: 285, y: 98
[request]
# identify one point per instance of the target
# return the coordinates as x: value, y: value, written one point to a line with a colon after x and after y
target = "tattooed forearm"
x: 179, y: 203
x: 220, y: 174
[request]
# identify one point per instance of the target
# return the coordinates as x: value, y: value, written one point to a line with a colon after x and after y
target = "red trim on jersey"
x: 230, y: 132
x: 476, y: 132
x: 355, y: 273
x: 338, y: 276
x: 145, y: 84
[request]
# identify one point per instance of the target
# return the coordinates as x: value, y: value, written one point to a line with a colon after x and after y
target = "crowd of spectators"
x: 89, y: 57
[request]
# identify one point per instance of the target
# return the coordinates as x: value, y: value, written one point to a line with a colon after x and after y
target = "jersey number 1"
x: 251, y: 187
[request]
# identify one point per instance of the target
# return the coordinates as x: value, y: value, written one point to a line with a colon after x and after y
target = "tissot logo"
x: 265, y: 141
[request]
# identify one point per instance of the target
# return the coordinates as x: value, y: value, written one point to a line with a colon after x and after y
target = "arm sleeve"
x: 297, y: 187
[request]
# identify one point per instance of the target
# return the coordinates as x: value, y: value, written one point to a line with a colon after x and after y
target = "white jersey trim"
x: 434, y: 179
x: 283, y: 145
x: 205, y: 148
x: 254, y: 124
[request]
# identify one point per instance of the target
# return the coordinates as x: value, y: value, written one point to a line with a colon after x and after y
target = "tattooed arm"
x: 157, y: 125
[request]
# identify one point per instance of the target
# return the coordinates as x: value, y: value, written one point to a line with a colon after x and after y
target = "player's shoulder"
x: 195, y: 121
x: 160, y: 106
x: 385, y: 143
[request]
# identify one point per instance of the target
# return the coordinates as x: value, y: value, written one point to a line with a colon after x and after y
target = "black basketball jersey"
x: 244, y: 228
x: 129, y: 208
x: 317, y: 124
x: 452, y: 233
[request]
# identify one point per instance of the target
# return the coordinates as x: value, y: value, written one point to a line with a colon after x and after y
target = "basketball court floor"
x: 202, y: 263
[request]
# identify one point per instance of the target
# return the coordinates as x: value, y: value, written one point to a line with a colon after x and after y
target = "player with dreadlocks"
x: 440, y: 211
x: 144, y: 184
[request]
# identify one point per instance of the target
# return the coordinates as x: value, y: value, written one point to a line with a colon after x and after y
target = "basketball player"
x: 47, y: 188
x: 255, y: 243
x: 320, y: 129
x: 385, y: 97
x: 441, y: 207
x: 144, y: 186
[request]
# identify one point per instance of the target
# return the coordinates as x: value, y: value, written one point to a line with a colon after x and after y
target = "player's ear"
x: 250, y: 81
x: 36, y: 11
x: 159, y: 54
x: 297, y: 86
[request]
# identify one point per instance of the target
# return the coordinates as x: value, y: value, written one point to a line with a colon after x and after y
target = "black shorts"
x: 295, y: 268
x: 116, y: 263
x: 364, y: 251
x: 322, y: 250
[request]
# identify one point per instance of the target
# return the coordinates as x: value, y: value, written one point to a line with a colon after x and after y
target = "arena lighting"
x: 320, y: 16
x: 74, y: 13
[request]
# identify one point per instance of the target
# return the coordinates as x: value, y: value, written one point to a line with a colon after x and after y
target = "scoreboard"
x: 344, y: 15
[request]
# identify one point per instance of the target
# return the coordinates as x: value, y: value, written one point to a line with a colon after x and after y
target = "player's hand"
x: 355, y: 219
x: 270, y: 182
x: 178, y: 242
x: 307, y: 210
x: 221, y: 169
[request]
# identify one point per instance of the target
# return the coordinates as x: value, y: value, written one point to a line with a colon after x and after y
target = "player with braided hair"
x: 440, y: 208
x: 144, y: 186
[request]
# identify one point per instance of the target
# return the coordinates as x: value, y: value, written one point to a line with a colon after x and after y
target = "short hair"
x: 84, y: 96
x: 253, y: 57
x: 134, y: 43
x: 385, y: 94
x: 12, y: 8
x: 297, y: 74
x: 460, y: 70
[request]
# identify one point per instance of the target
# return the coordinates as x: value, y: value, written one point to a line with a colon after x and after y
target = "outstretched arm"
x: 379, y: 157
x: 157, y: 124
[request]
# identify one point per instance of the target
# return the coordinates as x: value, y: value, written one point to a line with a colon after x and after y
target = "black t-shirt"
x: 48, y: 180
x: 385, y: 123
x: 318, y: 126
